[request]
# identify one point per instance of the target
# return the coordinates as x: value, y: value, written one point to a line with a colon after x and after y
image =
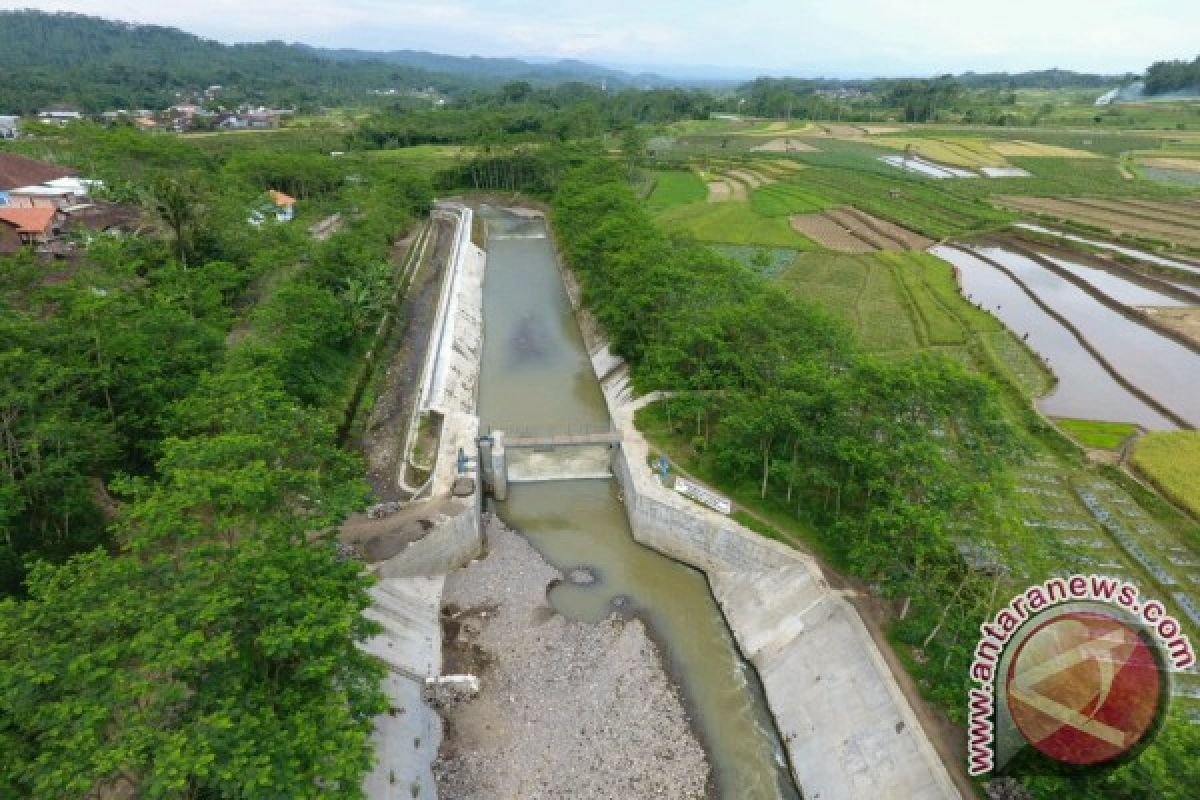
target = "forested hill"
x: 100, y: 64
x: 507, y: 69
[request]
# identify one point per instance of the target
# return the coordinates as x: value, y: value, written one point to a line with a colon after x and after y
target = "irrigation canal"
x: 536, y: 375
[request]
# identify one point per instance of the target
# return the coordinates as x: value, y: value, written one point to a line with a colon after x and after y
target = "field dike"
x: 847, y: 727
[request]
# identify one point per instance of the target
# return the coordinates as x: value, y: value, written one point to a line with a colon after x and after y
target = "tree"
x: 176, y: 200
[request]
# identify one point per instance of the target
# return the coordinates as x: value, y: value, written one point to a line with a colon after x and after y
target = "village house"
x: 18, y: 172
x: 276, y: 204
x: 28, y: 227
x: 8, y: 126
x: 60, y: 115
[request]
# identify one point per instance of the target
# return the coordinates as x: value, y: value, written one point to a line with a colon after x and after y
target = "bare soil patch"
x: 737, y: 188
x: 1186, y: 164
x: 906, y: 239
x: 785, y: 146
x: 829, y: 233
x: 1181, y: 320
x: 1116, y: 221
x: 750, y: 178
x: 719, y: 192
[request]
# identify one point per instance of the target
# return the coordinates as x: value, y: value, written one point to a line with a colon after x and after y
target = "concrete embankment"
x: 411, y: 549
x: 848, y: 728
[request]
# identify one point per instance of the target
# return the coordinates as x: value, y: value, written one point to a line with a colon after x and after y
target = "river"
x: 536, y: 376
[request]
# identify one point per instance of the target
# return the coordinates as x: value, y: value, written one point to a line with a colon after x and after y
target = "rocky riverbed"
x: 567, y: 709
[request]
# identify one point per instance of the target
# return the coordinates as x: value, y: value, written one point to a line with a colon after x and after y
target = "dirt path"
x: 566, y: 709
x: 947, y: 738
x: 386, y: 430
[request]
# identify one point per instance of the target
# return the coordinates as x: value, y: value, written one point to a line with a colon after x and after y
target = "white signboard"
x: 702, y: 495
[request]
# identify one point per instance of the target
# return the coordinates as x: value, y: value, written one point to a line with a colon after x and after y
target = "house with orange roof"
x: 28, y: 227
x: 276, y: 204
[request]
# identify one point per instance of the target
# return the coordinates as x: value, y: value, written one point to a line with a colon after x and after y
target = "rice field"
x: 1096, y: 434
x: 1018, y: 147
x: 1171, y: 460
x: 971, y: 153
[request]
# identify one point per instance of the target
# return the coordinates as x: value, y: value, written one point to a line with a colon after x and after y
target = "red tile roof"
x: 281, y: 199
x: 29, y: 220
x: 17, y: 171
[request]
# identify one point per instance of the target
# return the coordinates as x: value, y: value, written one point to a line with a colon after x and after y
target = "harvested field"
x: 1118, y: 221
x: 719, y: 192
x: 1021, y: 149
x: 750, y: 178
x: 1162, y: 213
x: 828, y: 232
x: 850, y: 131
x: 903, y: 238
x: 1184, y: 208
x: 849, y: 230
x: 785, y: 146
x: 1181, y: 320
x: 737, y: 189
x: 1187, y: 164
x: 881, y: 130
x: 771, y: 169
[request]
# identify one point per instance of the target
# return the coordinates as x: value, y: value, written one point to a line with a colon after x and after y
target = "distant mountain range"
x: 97, y: 64
x: 501, y: 69
x: 48, y: 58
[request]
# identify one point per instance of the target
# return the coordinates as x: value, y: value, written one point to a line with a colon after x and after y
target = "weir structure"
x: 531, y: 457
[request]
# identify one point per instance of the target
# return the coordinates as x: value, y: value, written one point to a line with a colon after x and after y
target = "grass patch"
x: 675, y: 187
x: 1171, y: 460
x: 1100, y: 435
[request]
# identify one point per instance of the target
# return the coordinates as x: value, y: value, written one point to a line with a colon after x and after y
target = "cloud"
x: 786, y: 36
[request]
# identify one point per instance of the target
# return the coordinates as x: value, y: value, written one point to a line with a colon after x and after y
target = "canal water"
x: 536, y: 376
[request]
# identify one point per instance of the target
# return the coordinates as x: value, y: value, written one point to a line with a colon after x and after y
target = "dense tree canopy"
x: 1173, y: 76
x: 177, y: 621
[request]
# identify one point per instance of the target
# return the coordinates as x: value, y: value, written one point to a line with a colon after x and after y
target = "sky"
x: 834, y: 38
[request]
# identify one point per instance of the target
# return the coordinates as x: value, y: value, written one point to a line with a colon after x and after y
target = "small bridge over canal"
x: 534, y: 456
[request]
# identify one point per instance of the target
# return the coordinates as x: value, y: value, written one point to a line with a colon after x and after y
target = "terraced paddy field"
x: 1177, y: 223
x: 675, y: 188
x: 848, y: 230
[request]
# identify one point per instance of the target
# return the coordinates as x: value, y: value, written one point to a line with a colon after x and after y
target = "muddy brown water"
x: 536, y: 376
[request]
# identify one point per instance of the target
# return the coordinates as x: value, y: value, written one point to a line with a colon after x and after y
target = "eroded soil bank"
x: 567, y: 709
